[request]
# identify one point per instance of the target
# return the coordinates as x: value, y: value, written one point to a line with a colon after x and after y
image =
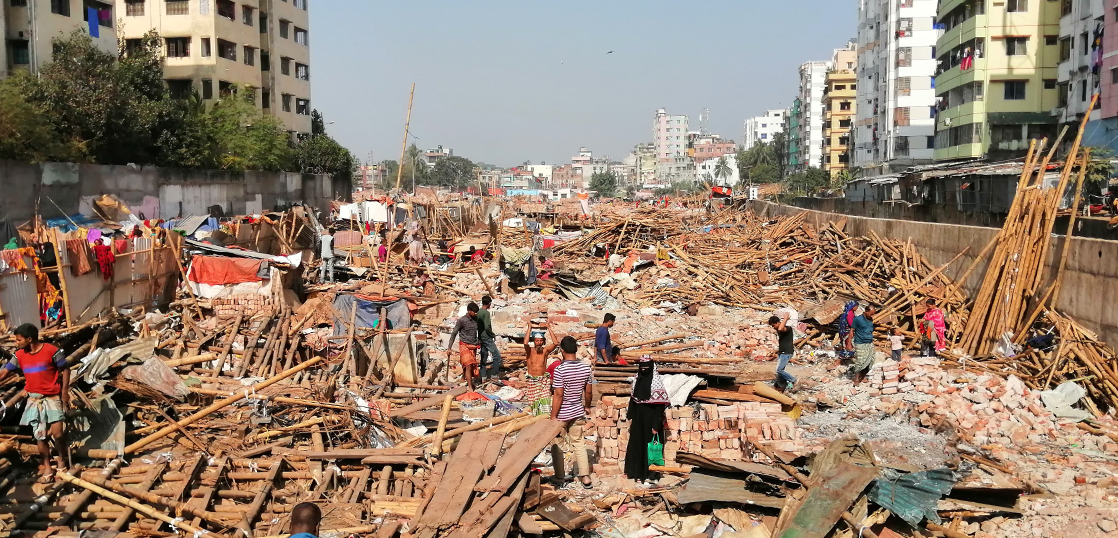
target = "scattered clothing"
x: 105, y: 260
x: 13, y: 258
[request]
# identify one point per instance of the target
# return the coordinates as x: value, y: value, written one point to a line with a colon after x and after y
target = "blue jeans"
x: 489, y: 348
x: 782, y: 363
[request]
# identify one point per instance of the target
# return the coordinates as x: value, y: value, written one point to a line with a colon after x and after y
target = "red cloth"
x: 220, y: 271
x: 105, y: 260
x: 40, y: 370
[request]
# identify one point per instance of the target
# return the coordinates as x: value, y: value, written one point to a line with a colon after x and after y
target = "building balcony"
x: 962, y: 151
x: 956, y: 76
x: 842, y: 94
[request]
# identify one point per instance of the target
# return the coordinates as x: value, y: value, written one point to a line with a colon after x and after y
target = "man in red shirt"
x: 47, y: 382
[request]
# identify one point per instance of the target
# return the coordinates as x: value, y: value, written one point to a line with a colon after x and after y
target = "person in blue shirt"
x: 305, y: 519
x: 863, y: 344
x: 603, y: 347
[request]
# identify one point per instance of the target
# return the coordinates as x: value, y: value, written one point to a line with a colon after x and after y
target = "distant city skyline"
x: 503, y: 82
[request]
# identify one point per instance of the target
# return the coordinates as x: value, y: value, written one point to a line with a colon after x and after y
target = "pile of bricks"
x: 885, y: 378
x: 241, y: 304
x: 718, y: 432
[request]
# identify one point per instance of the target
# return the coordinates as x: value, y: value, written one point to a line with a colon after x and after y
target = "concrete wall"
x: 157, y: 192
x: 1089, y: 293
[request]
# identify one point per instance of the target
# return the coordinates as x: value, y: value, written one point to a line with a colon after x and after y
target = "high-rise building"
x: 760, y: 130
x: 839, y: 105
x: 217, y: 46
x: 1079, y: 71
x: 996, y: 79
x: 809, y: 118
x: 708, y: 146
x: 894, y: 125
x: 28, y: 29
x: 669, y: 134
x: 1108, y: 91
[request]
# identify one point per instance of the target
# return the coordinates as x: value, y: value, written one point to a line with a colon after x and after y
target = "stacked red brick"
x: 241, y: 304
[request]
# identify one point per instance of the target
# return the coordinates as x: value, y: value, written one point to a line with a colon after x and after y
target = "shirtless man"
x: 538, y: 393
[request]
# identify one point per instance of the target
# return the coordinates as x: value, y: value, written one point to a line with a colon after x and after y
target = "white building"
x: 542, y: 172
x: 1074, y: 80
x: 680, y: 169
x: 669, y: 135
x: 894, y: 125
x: 762, y: 128
x: 707, y: 171
x: 813, y: 80
x: 585, y: 165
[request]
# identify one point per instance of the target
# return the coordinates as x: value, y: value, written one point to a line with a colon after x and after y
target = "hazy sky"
x: 508, y: 81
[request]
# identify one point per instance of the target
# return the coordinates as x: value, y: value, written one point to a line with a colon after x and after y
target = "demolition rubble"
x: 223, y: 371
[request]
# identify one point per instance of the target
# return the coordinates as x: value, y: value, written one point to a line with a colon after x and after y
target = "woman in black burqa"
x: 646, y: 418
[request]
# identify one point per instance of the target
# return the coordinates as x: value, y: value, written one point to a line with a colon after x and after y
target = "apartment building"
x: 839, y: 105
x: 215, y: 46
x: 996, y: 81
x: 669, y: 134
x: 808, y: 114
x: 29, y: 27
x: 894, y: 125
x: 709, y: 146
x: 761, y: 129
x: 1108, y: 91
x: 1079, y: 71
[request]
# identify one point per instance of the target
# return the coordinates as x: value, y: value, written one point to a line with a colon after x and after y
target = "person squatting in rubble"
x: 467, y: 329
x: 646, y: 417
x: 538, y: 392
x: 863, y: 344
x: 784, y: 351
x: 571, y: 396
x: 47, y: 382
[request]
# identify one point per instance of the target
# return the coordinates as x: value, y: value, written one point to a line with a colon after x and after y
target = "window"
x: 904, y: 85
x: 303, y: 107
x: 180, y: 88
x: 1014, y: 90
x: 1050, y: 40
x: 227, y: 50
x: 1015, y: 46
x: 1050, y: 84
x: 844, y: 124
x: 764, y: 136
x: 931, y: 142
x: 265, y: 99
x: 104, y: 12
x: 225, y: 89
x: 1065, y: 49
x: 840, y: 87
x: 284, y: 28
x: 300, y: 36
x: 1083, y: 91
x: 1065, y: 8
x: 285, y: 66
x: 265, y: 61
x: 207, y: 89
x: 250, y: 56
x: 178, y: 47
x: 1114, y: 76
x: 134, y: 8
x: 1017, y: 6
x: 19, y: 3
x: 302, y: 72
x: 132, y: 46
x: 247, y: 15
x: 286, y: 98
x: 60, y: 7
x: 21, y: 54
x: 845, y: 105
x: 263, y: 22
x: 301, y: 4
x: 178, y: 7
x: 1062, y: 94
x: 206, y: 50
x: 227, y: 9
x: 1083, y: 43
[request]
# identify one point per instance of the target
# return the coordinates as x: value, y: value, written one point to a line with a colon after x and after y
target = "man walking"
x: 47, y: 382
x: 489, y: 368
x: 468, y: 344
x: 784, y: 351
x: 603, y: 345
x: 572, y: 395
x: 863, y: 344
x: 327, y: 254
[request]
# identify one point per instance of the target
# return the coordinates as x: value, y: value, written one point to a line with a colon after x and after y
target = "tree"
x: 764, y: 173
x: 780, y: 148
x: 245, y: 139
x: 318, y: 125
x: 807, y: 182
x: 604, y: 183
x: 842, y: 177
x: 321, y: 154
x: 722, y: 168
x: 25, y: 130
x: 453, y: 171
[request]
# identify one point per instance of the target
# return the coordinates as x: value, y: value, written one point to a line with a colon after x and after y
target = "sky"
x: 504, y: 82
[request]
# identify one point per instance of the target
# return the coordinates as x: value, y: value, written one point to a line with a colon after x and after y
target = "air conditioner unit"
x: 947, y: 121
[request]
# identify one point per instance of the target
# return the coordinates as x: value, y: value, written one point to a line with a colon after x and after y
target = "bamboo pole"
x: 437, y: 447
x: 404, y: 145
x: 139, y: 507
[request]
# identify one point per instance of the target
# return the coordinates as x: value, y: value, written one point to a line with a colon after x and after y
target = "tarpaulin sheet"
x: 368, y: 312
x: 220, y: 271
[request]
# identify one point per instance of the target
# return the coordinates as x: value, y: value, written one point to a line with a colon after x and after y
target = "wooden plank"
x: 558, y: 513
x: 529, y: 443
x: 426, y: 403
x: 452, y: 493
x: 358, y: 453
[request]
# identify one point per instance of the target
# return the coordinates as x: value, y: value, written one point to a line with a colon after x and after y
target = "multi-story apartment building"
x: 996, y: 80
x: 669, y: 135
x: 707, y: 171
x: 792, y: 132
x: 28, y: 29
x: 709, y: 146
x: 1108, y: 91
x: 894, y: 125
x: 216, y: 46
x: 1079, y: 71
x: 760, y: 129
x: 839, y: 105
x: 809, y: 124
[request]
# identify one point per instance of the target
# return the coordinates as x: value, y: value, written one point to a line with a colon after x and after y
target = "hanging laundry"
x: 79, y: 254
x: 12, y: 244
x: 14, y: 259
x: 105, y: 260
x: 91, y: 16
x: 94, y: 236
x: 121, y: 246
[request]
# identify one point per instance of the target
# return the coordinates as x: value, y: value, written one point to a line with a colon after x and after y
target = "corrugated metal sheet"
x: 190, y: 224
x: 913, y: 496
x: 19, y: 298
x: 703, y: 486
x: 87, y: 294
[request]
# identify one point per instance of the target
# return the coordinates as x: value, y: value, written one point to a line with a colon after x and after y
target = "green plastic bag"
x: 655, y: 451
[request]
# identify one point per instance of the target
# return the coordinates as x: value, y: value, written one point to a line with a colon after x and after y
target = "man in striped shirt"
x: 572, y: 395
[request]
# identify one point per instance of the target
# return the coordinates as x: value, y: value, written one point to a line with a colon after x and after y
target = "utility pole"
x: 404, y: 146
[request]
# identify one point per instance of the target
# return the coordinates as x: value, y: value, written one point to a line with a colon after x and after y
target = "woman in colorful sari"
x: 935, y: 315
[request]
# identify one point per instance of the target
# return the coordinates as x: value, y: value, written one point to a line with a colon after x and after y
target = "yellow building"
x: 996, y: 76
x: 839, y: 106
x: 213, y: 46
x: 28, y: 28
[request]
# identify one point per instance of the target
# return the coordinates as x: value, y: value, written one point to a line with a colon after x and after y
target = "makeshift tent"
x: 368, y: 311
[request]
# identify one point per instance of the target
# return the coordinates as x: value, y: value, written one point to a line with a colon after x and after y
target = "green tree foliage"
x: 604, y: 183
x: 764, y: 173
x: 320, y: 154
x: 806, y: 183
x: 842, y: 177
x: 722, y: 168
x: 453, y: 171
x: 25, y: 131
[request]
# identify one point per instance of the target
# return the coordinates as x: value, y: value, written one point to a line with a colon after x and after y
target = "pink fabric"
x: 935, y: 316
